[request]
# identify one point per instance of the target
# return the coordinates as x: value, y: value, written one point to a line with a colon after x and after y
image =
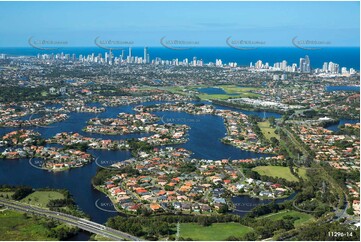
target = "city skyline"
x: 112, y: 59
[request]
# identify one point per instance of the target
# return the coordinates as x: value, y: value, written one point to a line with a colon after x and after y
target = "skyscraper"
x: 325, y: 67
x: 308, y: 64
x: 305, y: 65
x: 145, y: 59
x: 283, y: 65
x: 111, y: 57
x: 258, y: 64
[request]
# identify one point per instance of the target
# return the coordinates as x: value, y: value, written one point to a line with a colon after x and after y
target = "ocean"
x: 345, y: 56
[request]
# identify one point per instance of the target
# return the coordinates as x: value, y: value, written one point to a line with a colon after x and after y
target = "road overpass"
x: 81, y: 223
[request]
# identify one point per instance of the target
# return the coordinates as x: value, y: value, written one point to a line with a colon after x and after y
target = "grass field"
x: 278, y: 171
x: 217, y: 231
x: 267, y: 130
x: 303, y: 217
x: 6, y: 194
x: 233, y: 89
x: 15, y: 226
x: 302, y: 173
x: 41, y: 198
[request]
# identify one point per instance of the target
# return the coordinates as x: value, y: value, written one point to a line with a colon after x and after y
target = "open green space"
x: 41, y: 198
x: 303, y: 217
x: 6, y: 194
x: 279, y: 171
x: 233, y: 89
x: 267, y: 130
x: 17, y: 226
x: 216, y: 231
x: 302, y: 173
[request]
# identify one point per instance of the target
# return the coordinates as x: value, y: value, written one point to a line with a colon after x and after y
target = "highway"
x: 69, y: 219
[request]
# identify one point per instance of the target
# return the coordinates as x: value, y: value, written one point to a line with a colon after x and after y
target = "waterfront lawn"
x: 241, y: 91
x: 276, y: 171
x: 267, y: 130
x: 16, y: 226
x: 303, y: 217
x: 6, y: 194
x: 216, y: 231
x: 233, y: 89
x: 41, y: 198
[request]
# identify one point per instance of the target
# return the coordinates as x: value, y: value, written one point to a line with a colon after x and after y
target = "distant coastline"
x: 346, y: 56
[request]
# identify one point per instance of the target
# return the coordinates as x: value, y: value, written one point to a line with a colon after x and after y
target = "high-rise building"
x: 308, y: 64
x: 130, y: 52
x: 122, y: 56
x: 111, y: 57
x: 194, y: 61
x: 302, y: 64
x: 283, y: 65
x: 145, y: 55
x: 333, y: 68
x: 305, y: 65
x: 106, y: 58
x: 325, y: 67
x: 219, y: 63
x: 258, y: 64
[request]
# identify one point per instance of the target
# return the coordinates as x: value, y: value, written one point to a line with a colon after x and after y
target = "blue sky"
x: 209, y: 23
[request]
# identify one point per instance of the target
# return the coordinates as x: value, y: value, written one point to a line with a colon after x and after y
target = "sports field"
x: 216, y: 231
x: 279, y: 171
x: 41, y: 198
x: 267, y: 130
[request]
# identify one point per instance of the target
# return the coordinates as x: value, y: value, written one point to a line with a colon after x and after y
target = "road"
x: 295, y: 141
x: 69, y: 219
x: 340, y: 213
